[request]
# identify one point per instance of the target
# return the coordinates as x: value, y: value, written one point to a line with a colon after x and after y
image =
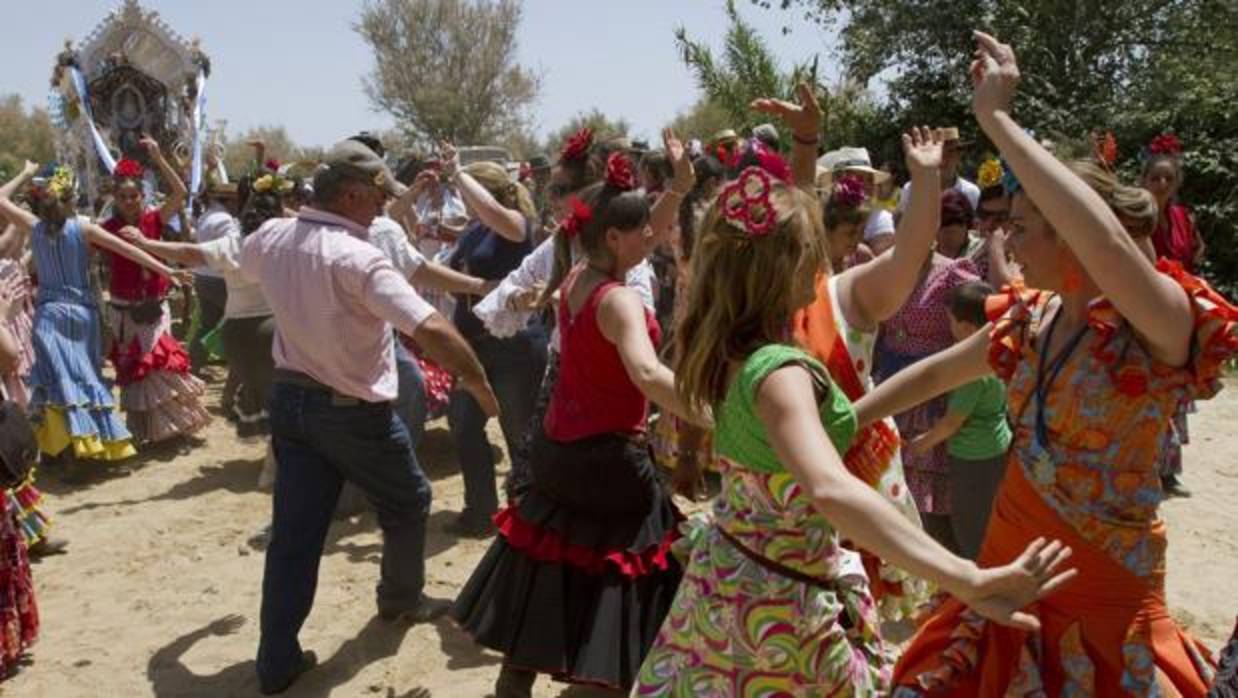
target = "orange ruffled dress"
x: 1096, y: 487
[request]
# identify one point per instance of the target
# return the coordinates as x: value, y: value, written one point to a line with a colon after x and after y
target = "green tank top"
x: 739, y: 433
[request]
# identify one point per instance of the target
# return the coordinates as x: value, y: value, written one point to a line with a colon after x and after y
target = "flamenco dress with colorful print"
x: 70, y: 404
x: 161, y: 399
x: 25, y: 500
x: 771, y: 603
x: 920, y: 329
x: 874, y: 456
x: 581, y: 575
x: 1082, y: 469
x: 19, y: 614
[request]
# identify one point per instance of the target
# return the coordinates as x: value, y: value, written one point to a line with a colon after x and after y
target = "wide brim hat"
x: 852, y: 159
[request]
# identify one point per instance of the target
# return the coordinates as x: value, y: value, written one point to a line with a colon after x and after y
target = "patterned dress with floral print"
x: 920, y: 329
x: 1093, y: 484
x: 738, y: 627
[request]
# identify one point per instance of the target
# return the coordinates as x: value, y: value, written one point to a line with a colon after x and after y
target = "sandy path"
x: 159, y: 560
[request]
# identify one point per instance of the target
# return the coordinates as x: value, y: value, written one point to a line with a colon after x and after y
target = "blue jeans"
x: 514, y: 367
x: 410, y: 406
x: 320, y: 442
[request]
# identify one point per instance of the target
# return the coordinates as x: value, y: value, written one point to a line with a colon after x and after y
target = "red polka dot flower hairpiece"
x: 576, y: 221
x: 620, y: 174
x: 746, y: 202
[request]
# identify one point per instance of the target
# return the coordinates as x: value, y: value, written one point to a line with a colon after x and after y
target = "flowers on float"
x: 990, y: 173
x: 746, y: 203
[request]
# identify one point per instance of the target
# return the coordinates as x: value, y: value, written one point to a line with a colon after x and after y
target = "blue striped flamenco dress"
x: 71, y: 405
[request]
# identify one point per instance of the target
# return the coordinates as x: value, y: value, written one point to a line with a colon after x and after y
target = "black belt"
x: 774, y: 566
x: 301, y: 380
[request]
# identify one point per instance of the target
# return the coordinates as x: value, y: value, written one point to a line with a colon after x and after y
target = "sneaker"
x: 468, y: 525
x: 425, y: 611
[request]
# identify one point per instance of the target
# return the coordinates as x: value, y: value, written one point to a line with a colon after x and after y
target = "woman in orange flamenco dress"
x: 1095, y: 362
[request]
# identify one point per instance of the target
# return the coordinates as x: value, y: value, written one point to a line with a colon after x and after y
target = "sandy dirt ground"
x: 159, y: 592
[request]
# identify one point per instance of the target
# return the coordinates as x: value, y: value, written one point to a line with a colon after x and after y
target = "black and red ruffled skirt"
x: 581, y: 575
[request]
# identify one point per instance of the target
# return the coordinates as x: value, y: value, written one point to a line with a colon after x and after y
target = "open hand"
x: 922, y: 150
x: 684, y: 176
x: 994, y: 75
x: 150, y: 145
x: 30, y: 168
x: 1000, y: 593
x: 804, y: 119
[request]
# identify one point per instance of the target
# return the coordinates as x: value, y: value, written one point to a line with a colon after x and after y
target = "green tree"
x: 239, y: 156
x: 447, y: 69
x: 702, y: 120
x: 744, y: 71
x: 1138, y: 68
x: 25, y: 134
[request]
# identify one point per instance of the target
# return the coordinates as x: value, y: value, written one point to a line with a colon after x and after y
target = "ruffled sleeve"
x: 494, y: 310
x: 1215, y: 339
x: 1010, y: 313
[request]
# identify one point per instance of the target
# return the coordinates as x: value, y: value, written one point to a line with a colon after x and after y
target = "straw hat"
x: 852, y: 159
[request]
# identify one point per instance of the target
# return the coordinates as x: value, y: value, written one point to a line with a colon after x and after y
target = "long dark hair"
x: 612, y: 208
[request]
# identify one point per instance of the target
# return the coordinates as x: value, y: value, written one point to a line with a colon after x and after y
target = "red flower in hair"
x: 773, y: 163
x: 576, y: 221
x: 1107, y: 149
x: 619, y: 172
x: 128, y: 169
x: 746, y: 202
x: 1165, y: 144
x: 272, y: 165
x: 849, y: 191
x: 577, y: 146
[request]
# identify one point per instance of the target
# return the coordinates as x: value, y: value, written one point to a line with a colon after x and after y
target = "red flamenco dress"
x: 160, y: 397
x: 19, y: 615
x: 1091, y: 481
x: 581, y: 575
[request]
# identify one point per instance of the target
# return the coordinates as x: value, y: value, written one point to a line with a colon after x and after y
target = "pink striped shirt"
x: 335, y: 298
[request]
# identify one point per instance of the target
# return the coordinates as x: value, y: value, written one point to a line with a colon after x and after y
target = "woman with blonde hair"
x: 771, y: 602
x: 1095, y: 363
x: 499, y: 236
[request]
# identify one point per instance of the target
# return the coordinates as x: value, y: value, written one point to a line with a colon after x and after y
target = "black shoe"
x: 425, y: 611
x: 514, y: 683
x: 309, y: 660
x: 470, y: 526
x: 1173, y: 487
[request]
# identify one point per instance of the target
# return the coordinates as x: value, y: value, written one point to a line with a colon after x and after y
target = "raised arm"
x: 787, y: 405
x: 940, y: 373
x: 1154, y: 305
x: 112, y: 243
x: 508, y: 223
x: 404, y: 208
x: 880, y: 288
x: 804, y: 120
x: 177, y: 193
x: 665, y: 211
x: 18, y: 216
x: 621, y: 317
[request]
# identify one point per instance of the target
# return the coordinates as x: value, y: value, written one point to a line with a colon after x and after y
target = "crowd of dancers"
x: 953, y: 403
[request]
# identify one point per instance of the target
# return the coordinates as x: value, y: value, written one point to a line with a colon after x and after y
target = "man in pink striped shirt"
x: 336, y: 298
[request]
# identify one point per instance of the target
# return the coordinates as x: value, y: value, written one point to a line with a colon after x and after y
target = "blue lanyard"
x: 1054, y: 368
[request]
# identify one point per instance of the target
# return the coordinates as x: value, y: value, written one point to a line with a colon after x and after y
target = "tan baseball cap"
x: 354, y: 158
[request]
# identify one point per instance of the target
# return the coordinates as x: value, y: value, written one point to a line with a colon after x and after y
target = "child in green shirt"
x: 975, y: 430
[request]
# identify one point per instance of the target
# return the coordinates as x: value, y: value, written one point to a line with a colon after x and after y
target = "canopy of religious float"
x: 132, y: 75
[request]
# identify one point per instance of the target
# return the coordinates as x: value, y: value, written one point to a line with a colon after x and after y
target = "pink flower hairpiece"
x: 850, y: 191
x: 576, y: 221
x: 1165, y: 144
x: 619, y: 172
x: 746, y: 202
